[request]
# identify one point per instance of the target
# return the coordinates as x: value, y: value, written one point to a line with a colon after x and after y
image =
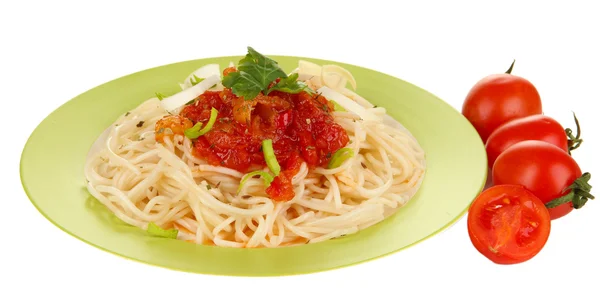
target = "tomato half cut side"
x: 508, y: 224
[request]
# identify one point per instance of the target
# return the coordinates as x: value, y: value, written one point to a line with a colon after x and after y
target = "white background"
x: 53, y: 50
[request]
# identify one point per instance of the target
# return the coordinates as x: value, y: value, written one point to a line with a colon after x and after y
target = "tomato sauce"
x: 300, y: 126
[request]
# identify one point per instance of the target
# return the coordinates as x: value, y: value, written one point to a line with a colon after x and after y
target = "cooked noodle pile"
x: 142, y: 181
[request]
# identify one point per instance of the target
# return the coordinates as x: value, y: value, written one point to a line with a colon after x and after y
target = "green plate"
x: 53, y: 159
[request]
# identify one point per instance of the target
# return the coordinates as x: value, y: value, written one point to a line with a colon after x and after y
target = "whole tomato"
x: 536, y: 127
x: 546, y: 170
x: 499, y: 98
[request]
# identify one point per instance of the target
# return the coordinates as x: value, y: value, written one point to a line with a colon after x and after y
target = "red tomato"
x: 536, y: 127
x: 544, y: 169
x: 508, y: 224
x: 499, y: 98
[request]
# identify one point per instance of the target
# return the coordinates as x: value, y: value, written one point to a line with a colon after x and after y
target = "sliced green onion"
x: 177, y: 100
x: 195, y: 80
x: 339, y: 157
x: 267, y: 178
x: 337, y: 107
x: 197, y: 130
x: 155, y: 230
x: 309, y: 90
x: 160, y: 96
x: 267, y: 148
x: 347, y: 103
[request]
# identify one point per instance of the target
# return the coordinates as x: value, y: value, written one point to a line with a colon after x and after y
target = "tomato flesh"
x: 542, y: 168
x: 508, y: 224
x: 536, y: 127
x: 499, y: 98
x: 300, y: 125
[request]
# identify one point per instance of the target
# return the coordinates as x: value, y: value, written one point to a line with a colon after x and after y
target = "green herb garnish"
x: 289, y: 85
x: 255, y: 73
x: 155, y: 230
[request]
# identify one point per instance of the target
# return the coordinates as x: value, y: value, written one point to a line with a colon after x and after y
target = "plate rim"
x: 73, y: 99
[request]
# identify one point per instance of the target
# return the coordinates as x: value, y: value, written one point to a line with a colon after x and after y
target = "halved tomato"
x: 508, y: 224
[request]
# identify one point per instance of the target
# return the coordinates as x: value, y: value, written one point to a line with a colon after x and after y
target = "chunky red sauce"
x: 300, y: 126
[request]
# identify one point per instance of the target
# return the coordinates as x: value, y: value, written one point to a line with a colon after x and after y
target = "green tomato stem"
x: 511, y: 67
x: 579, y: 193
x: 574, y: 141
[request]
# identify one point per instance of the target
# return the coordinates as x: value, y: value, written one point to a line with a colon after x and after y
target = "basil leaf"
x: 289, y: 85
x: 255, y: 73
x: 262, y: 68
x: 243, y: 85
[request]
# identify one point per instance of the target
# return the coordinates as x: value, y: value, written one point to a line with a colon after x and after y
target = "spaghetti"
x: 165, y: 182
